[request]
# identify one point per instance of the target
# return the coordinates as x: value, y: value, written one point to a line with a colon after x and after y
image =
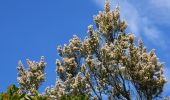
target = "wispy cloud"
x: 163, y: 4
x: 158, y: 11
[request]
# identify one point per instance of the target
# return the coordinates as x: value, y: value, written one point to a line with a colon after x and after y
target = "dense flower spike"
x: 107, y: 6
x: 109, y: 23
x: 30, y: 79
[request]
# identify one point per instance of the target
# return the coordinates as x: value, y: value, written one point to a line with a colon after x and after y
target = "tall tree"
x: 107, y: 63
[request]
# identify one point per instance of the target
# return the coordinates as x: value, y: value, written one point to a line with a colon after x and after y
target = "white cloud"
x: 161, y: 3
x: 130, y: 14
x: 158, y: 11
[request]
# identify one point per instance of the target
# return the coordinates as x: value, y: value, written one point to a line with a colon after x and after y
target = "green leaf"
x: 29, y: 97
x: 22, y: 96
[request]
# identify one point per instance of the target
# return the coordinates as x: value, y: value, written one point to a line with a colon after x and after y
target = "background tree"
x: 108, y: 63
x: 13, y: 93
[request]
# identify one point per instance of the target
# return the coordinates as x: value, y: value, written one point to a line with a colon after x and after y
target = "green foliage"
x: 12, y: 94
x: 75, y: 97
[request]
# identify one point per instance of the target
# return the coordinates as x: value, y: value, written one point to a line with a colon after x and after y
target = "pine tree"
x: 107, y: 63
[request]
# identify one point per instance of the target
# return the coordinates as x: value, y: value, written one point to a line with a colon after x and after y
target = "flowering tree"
x: 106, y: 64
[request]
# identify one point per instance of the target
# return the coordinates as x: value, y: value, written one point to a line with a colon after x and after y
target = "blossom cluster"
x: 109, y: 22
x: 30, y: 79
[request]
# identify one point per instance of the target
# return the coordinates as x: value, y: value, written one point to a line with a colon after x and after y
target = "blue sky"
x: 34, y: 28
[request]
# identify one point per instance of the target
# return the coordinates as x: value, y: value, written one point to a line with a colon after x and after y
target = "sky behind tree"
x: 30, y: 29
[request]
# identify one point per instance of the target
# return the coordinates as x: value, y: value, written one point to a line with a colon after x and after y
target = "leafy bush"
x: 12, y: 94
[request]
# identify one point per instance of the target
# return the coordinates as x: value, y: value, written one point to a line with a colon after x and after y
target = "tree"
x: 107, y: 63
